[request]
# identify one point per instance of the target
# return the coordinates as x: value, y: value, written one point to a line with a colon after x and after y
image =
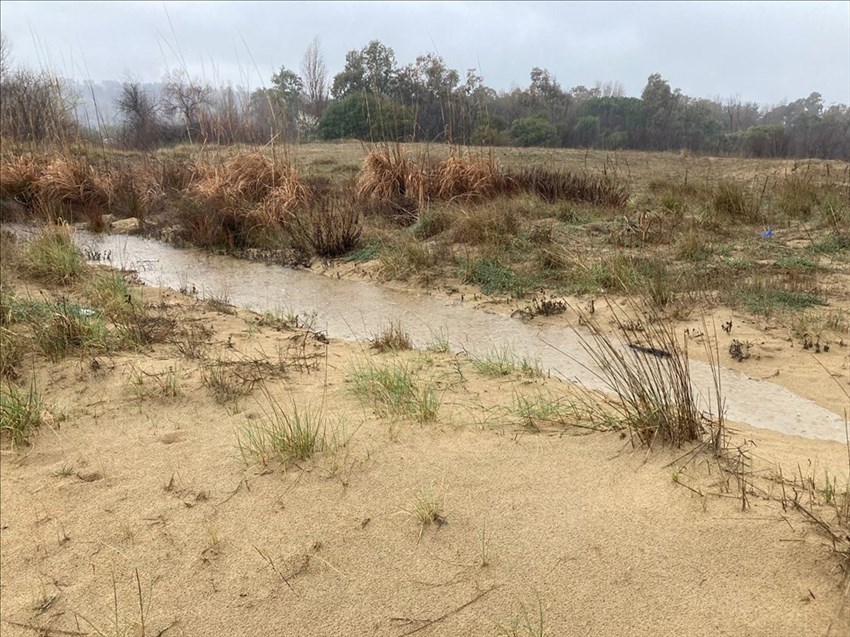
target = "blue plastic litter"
x: 767, y: 234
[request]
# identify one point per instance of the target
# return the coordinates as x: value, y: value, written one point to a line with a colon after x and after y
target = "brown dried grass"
x: 19, y: 177
x: 468, y: 177
x: 75, y: 184
x: 395, y: 184
x: 239, y: 202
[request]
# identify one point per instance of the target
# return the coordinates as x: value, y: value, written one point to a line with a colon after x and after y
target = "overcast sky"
x: 763, y: 51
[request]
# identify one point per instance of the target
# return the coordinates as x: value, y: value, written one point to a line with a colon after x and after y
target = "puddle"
x: 357, y: 310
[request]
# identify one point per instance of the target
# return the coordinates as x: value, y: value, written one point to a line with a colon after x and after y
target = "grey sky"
x: 763, y: 51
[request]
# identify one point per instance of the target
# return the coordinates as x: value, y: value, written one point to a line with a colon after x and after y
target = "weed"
x: 763, y: 298
x: 427, y: 509
x: 64, y: 471
x: 652, y: 383
x: 20, y: 412
x: 52, y: 256
x: 392, y: 338
x: 483, y: 546
x: 229, y: 380
x: 502, y: 361
x: 524, y: 625
x: 495, y: 224
x: 395, y: 389
x: 439, y: 341
x: 12, y: 349
x: 732, y: 201
x: 536, y: 410
x: 193, y: 341
x: 166, y: 384
x: 494, y: 277
x: 286, y: 434
x: 69, y: 328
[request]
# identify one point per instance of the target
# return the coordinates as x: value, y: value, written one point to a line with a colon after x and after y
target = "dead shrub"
x: 330, y: 227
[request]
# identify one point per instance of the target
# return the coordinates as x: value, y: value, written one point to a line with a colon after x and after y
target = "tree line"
x: 376, y: 99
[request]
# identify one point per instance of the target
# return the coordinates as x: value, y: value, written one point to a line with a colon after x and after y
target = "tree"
x: 534, y: 131
x: 372, y: 68
x: 138, y: 111
x: 5, y: 55
x: 314, y: 78
x: 366, y: 117
x: 587, y: 131
x: 35, y: 107
x: 429, y: 86
x: 185, y: 99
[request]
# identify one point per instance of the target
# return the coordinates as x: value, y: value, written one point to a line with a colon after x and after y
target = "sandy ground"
x: 134, y: 513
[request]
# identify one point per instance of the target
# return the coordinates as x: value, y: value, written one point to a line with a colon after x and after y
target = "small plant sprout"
x: 427, y: 509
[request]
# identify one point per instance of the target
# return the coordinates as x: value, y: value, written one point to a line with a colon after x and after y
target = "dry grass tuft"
x: 392, y: 183
x: 74, y: 185
x: 19, y: 178
x: 555, y: 186
x: 241, y: 202
x: 392, y: 338
x: 468, y: 177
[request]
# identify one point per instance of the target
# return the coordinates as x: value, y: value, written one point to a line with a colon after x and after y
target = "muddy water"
x: 356, y: 310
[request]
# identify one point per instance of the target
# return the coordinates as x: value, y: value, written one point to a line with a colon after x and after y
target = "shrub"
x: 534, y: 131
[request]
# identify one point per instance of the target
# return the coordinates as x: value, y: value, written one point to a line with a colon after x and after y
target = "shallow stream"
x: 357, y: 310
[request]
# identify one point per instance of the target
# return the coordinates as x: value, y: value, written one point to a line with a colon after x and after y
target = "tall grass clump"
x: 392, y: 183
x: 395, y: 390
x: 328, y: 227
x: 552, y: 186
x: 287, y: 435
x: 799, y: 196
x: 398, y: 186
x: 74, y: 188
x: 19, y: 178
x: 732, y: 201
x: 53, y: 258
x: 20, y: 412
x: 651, y: 381
x: 237, y: 204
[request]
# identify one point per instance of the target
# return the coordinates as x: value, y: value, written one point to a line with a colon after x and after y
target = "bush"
x: 534, y: 131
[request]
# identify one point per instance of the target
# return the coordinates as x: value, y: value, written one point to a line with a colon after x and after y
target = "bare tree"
x: 186, y: 99
x: 139, y: 114
x: 314, y: 75
x: 5, y: 55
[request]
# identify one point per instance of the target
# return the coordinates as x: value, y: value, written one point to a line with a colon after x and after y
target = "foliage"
x: 534, y: 131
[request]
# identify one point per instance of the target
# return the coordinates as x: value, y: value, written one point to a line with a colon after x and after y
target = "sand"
x: 134, y: 513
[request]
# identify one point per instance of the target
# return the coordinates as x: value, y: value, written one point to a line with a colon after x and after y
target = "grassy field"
x: 764, y: 236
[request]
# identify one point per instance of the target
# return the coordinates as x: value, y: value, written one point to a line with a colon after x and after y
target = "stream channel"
x: 356, y: 310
